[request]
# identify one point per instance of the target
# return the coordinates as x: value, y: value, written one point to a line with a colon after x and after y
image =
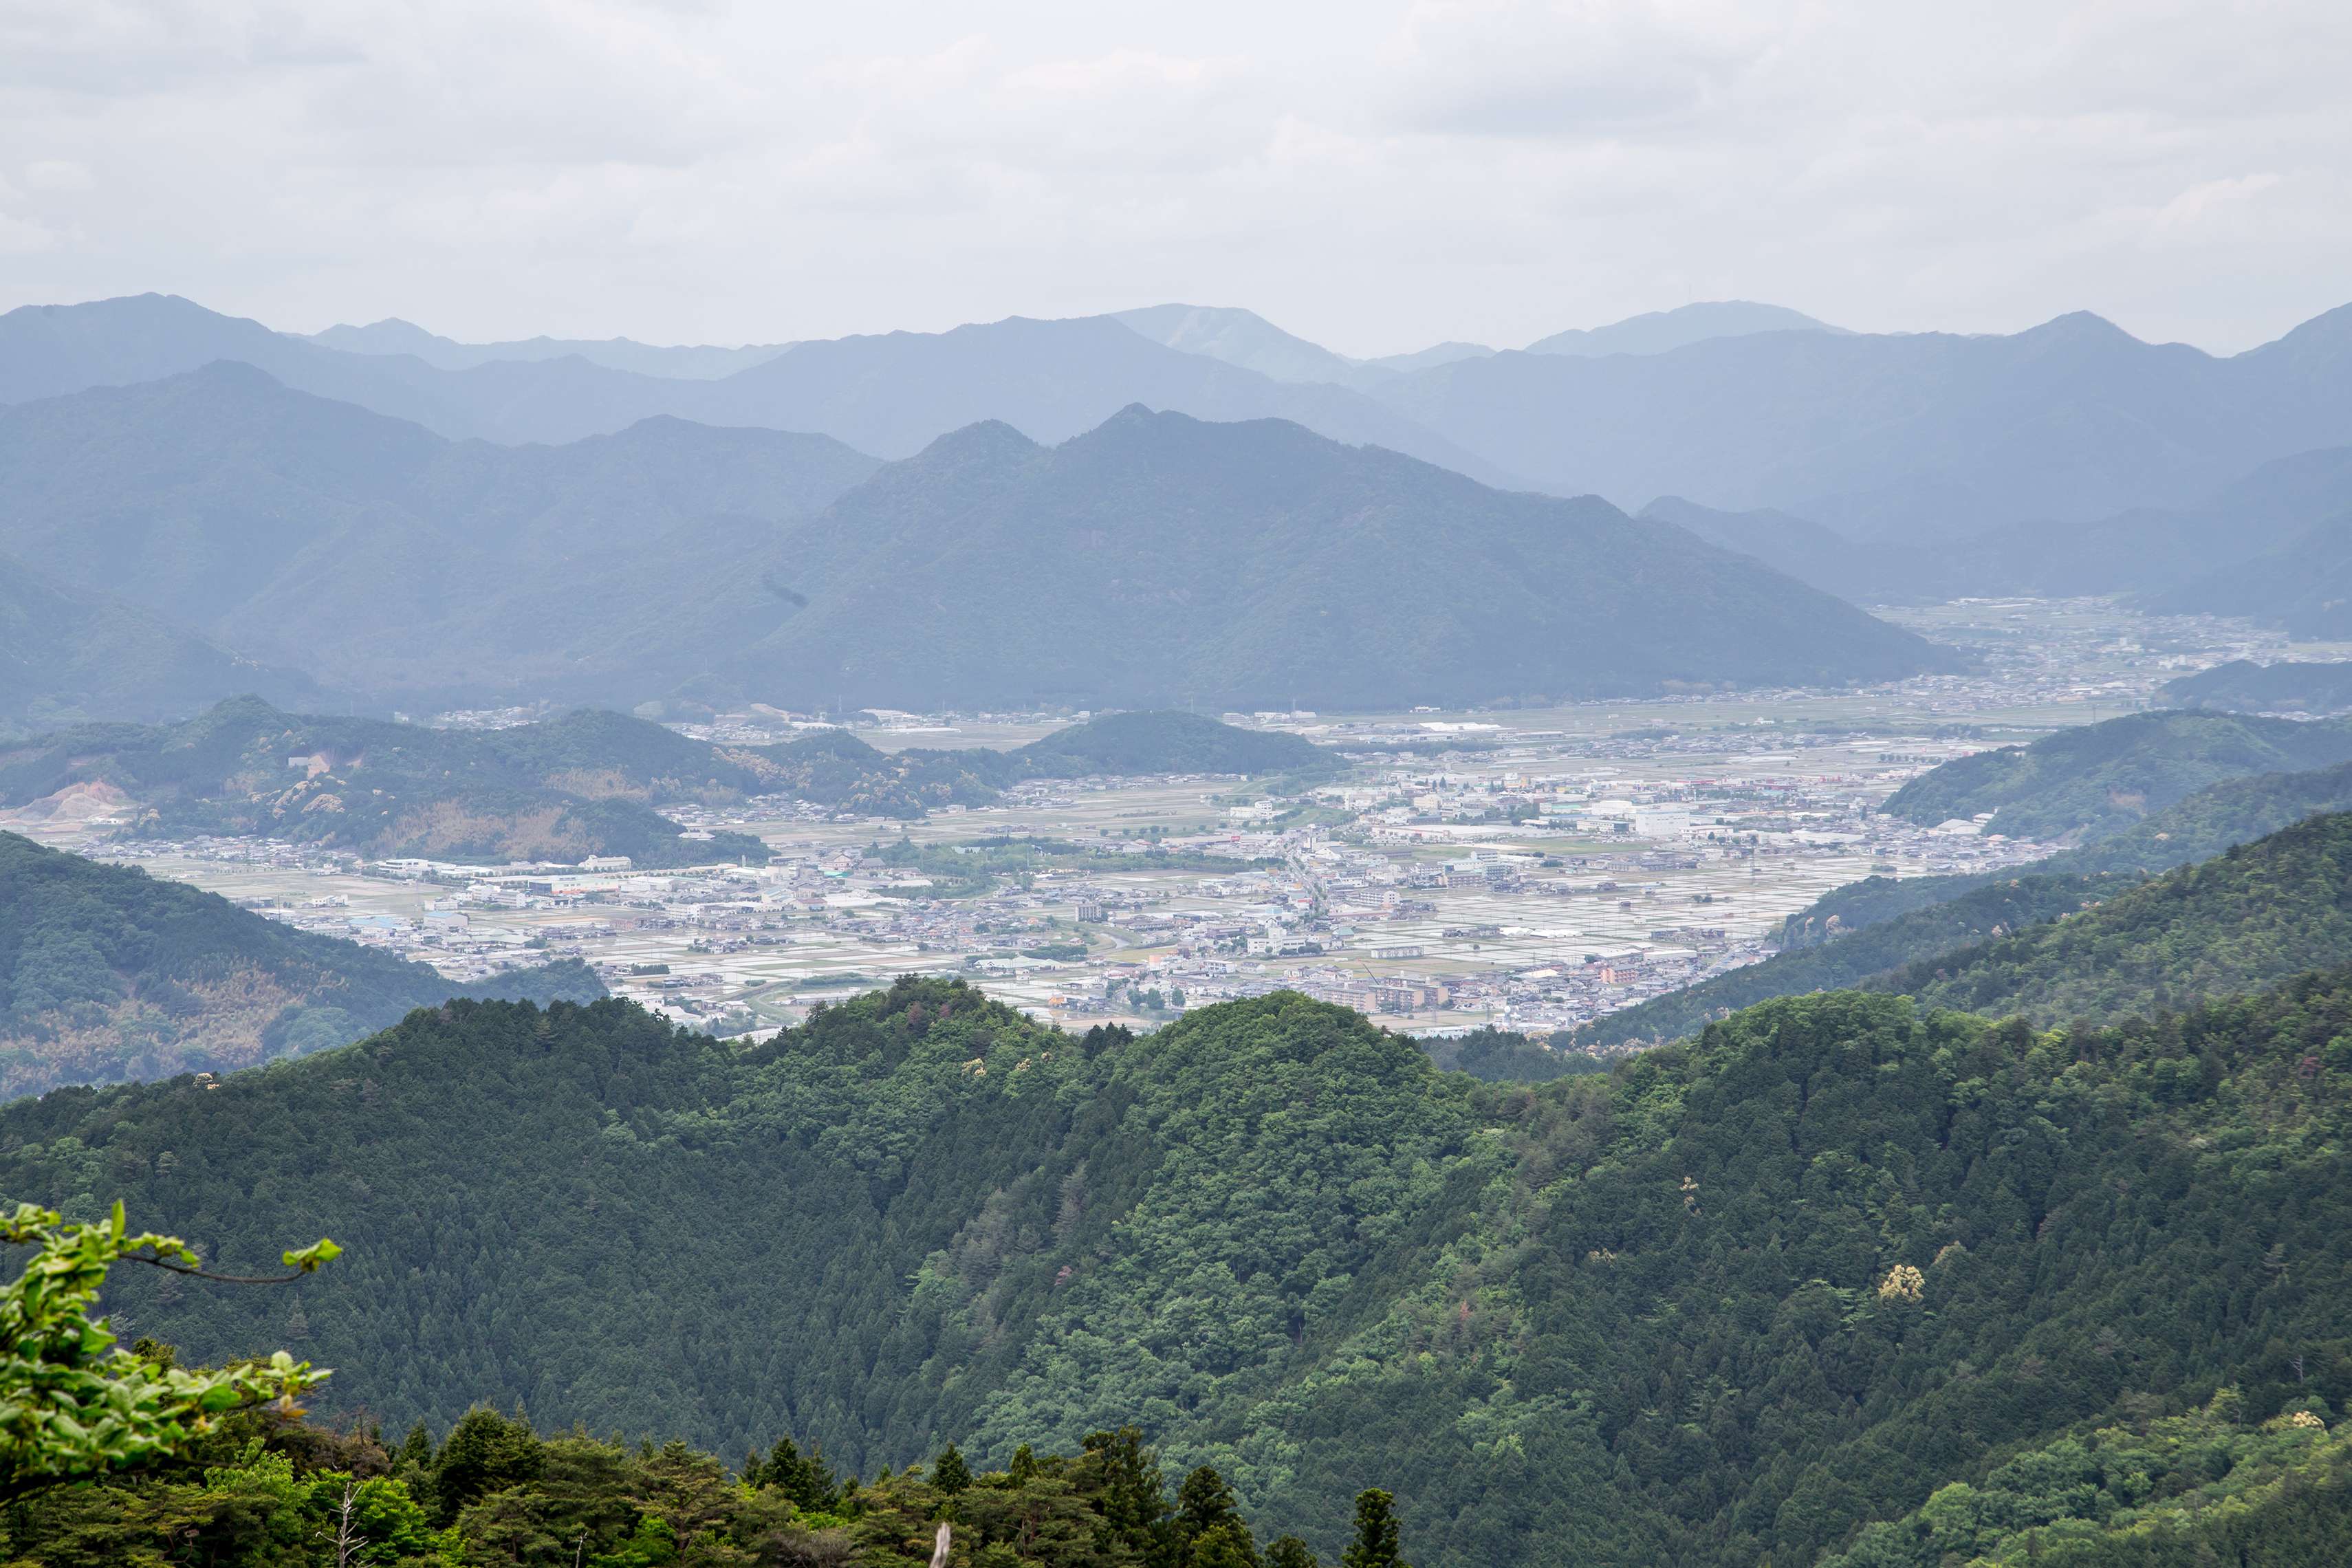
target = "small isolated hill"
x: 70, y: 654
x: 1167, y: 741
x: 2241, y: 686
x: 2091, y: 783
x: 1257, y: 564
x: 583, y: 785
x: 107, y: 973
x: 837, y: 768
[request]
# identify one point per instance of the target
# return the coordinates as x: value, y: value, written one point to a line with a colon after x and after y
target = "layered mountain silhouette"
x: 1247, y: 338
x: 1162, y: 560
x: 1900, y: 438
x: 380, y: 556
x: 1916, y: 438
x: 889, y: 394
x: 1661, y: 331
x: 1158, y: 561
x: 394, y: 336
x: 68, y: 654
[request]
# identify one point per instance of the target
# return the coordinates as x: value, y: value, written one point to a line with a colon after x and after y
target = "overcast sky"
x: 1374, y: 176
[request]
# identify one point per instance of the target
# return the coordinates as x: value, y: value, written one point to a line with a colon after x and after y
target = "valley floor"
x: 1402, y: 891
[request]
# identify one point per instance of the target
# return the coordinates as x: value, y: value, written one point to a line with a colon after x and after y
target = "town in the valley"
x: 1528, y: 870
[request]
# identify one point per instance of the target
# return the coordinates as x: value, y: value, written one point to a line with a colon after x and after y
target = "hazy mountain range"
x: 1159, y: 560
x: 381, y: 510
x: 889, y: 394
x: 1882, y: 437
x: 1249, y: 340
x: 2275, y: 545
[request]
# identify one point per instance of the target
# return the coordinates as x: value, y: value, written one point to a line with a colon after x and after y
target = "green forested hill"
x: 2242, y: 686
x: 1168, y: 740
x: 1851, y: 958
x: 108, y: 974
x: 2091, y: 783
x: 1879, y: 923
x: 2249, y: 919
x: 2056, y: 947
x: 837, y: 768
x: 1724, y: 1304
x: 2196, y: 827
x: 2208, y: 1486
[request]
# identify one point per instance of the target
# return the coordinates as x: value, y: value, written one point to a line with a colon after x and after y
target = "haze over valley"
x: 1488, y: 785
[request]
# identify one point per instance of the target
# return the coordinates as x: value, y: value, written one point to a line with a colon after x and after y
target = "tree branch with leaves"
x: 73, y: 1404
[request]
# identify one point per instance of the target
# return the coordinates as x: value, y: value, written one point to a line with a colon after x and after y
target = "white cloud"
x: 1375, y: 175
x: 2215, y: 211
x: 56, y: 174
x: 21, y: 237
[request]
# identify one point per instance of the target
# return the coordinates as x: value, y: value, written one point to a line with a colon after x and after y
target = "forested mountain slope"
x: 107, y: 973
x: 2241, y: 686
x: 2098, y: 780
x: 2301, y: 584
x: 2249, y: 918
x: 2235, y: 811
x: 2207, y: 1486
x: 1727, y: 1303
x: 381, y: 556
x: 1845, y: 958
x: 70, y: 654
x: 1880, y: 923
x: 382, y: 559
x: 1258, y: 564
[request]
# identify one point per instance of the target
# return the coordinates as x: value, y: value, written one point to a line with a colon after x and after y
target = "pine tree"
x: 1131, y: 1495
x: 1289, y: 1551
x: 1209, y: 1527
x: 1205, y: 1502
x: 1377, y: 1531
x: 949, y: 1474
